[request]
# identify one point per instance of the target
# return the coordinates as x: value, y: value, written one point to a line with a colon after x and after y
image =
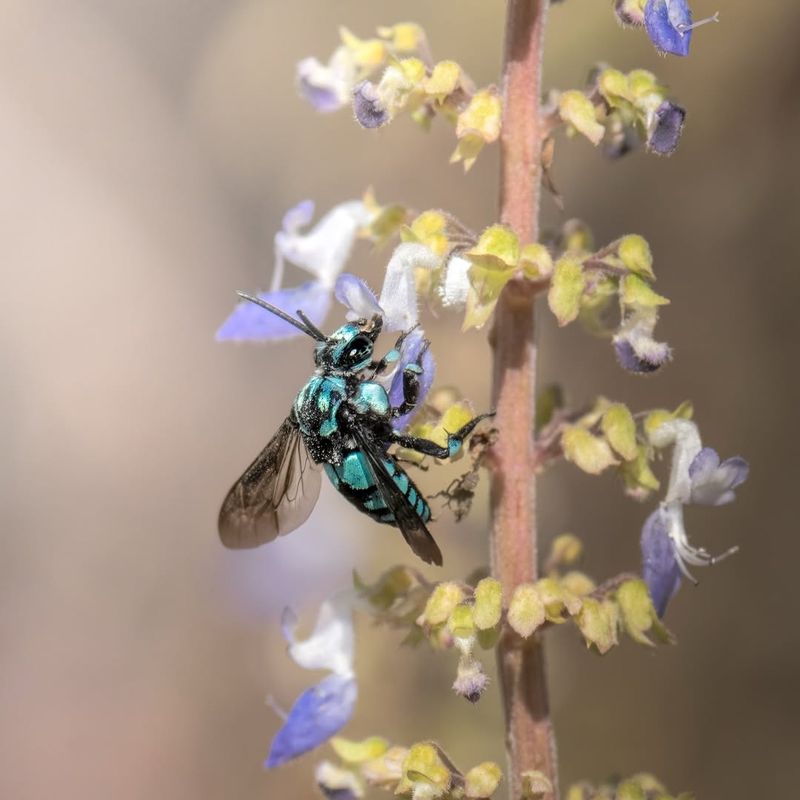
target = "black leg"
x: 411, y: 373
x: 429, y: 448
x: 378, y: 367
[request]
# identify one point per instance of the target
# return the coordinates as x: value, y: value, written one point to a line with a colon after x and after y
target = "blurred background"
x: 148, y: 149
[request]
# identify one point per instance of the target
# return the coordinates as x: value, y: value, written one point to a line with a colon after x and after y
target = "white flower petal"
x: 327, y: 87
x: 399, y: 294
x: 685, y: 438
x: 330, y: 645
x: 324, y: 250
x: 455, y: 287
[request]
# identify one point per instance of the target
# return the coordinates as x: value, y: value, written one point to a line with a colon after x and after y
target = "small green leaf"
x: 615, y: 88
x: 597, y: 625
x: 577, y: 110
x: 557, y: 599
x: 535, y: 785
x: 526, y: 610
x: 498, y: 245
x: 486, y: 283
x: 579, y: 583
x: 637, y: 293
x: 637, y: 475
x: 488, y: 604
x: 536, y: 262
x: 550, y: 399
x: 634, y: 252
x: 358, y: 752
x: 588, y: 452
x: 460, y: 623
x: 630, y: 790
x: 620, y: 429
x: 566, y: 287
x: 638, y: 615
x: 424, y: 764
x: 482, y: 781
x: 565, y: 550
x: 444, y: 598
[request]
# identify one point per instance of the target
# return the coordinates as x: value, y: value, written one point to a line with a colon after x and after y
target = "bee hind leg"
x: 429, y: 448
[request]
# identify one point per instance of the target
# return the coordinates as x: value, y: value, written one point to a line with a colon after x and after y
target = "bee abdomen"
x: 354, y: 479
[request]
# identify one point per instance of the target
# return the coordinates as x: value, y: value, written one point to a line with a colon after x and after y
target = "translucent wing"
x: 275, y: 495
x: 411, y: 526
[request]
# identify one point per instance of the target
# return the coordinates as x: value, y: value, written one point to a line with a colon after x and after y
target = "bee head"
x: 350, y: 347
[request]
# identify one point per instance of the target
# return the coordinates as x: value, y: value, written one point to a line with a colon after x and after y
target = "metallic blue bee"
x: 341, y: 421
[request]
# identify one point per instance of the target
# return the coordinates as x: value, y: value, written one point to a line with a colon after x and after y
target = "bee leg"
x: 411, y: 373
x: 378, y: 367
x: 429, y: 448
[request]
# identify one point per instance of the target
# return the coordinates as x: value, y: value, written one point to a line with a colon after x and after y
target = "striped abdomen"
x: 354, y: 478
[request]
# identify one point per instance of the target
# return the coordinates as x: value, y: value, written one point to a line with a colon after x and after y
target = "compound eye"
x: 359, y: 350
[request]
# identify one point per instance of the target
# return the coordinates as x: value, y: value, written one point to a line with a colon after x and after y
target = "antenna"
x: 306, y: 326
x: 316, y: 332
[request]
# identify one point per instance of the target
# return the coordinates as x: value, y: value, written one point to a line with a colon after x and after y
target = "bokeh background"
x: 148, y: 149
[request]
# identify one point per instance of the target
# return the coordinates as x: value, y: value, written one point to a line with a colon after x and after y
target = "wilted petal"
x: 667, y: 129
x: 324, y: 250
x: 713, y: 483
x: 298, y: 216
x: 684, y: 437
x: 327, y: 87
x: 399, y: 293
x: 660, y: 568
x: 317, y: 714
x: 330, y: 645
x: 251, y: 323
x: 635, y: 347
x: 409, y: 353
x: 455, y: 287
x: 337, y: 783
x: 367, y: 106
x: 668, y: 24
x: 354, y: 293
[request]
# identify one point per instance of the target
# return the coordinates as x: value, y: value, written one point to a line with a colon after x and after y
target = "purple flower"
x: 697, y: 476
x: 317, y: 714
x: 669, y: 25
x: 322, y: 251
x: 325, y: 708
x: 660, y: 568
x: 713, y: 482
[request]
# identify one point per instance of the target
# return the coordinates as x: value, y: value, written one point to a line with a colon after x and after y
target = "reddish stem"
x: 529, y: 735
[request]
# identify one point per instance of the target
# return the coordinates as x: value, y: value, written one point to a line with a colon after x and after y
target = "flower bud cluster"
x: 393, y: 74
x: 641, y: 786
x: 420, y: 772
x: 586, y: 284
x: 622, y: 112
x: 610, y: 435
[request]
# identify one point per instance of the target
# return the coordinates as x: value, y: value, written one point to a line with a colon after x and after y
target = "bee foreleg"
x: 411, y: 373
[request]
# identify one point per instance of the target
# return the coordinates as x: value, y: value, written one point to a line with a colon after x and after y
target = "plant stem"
x: 529, y: 735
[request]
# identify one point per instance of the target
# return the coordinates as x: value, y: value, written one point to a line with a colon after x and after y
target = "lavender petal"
x: 660, y: 568
x: 317, y: 714
x: 663, y: 20
x: 251, y: 323
x: 353, y: 293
